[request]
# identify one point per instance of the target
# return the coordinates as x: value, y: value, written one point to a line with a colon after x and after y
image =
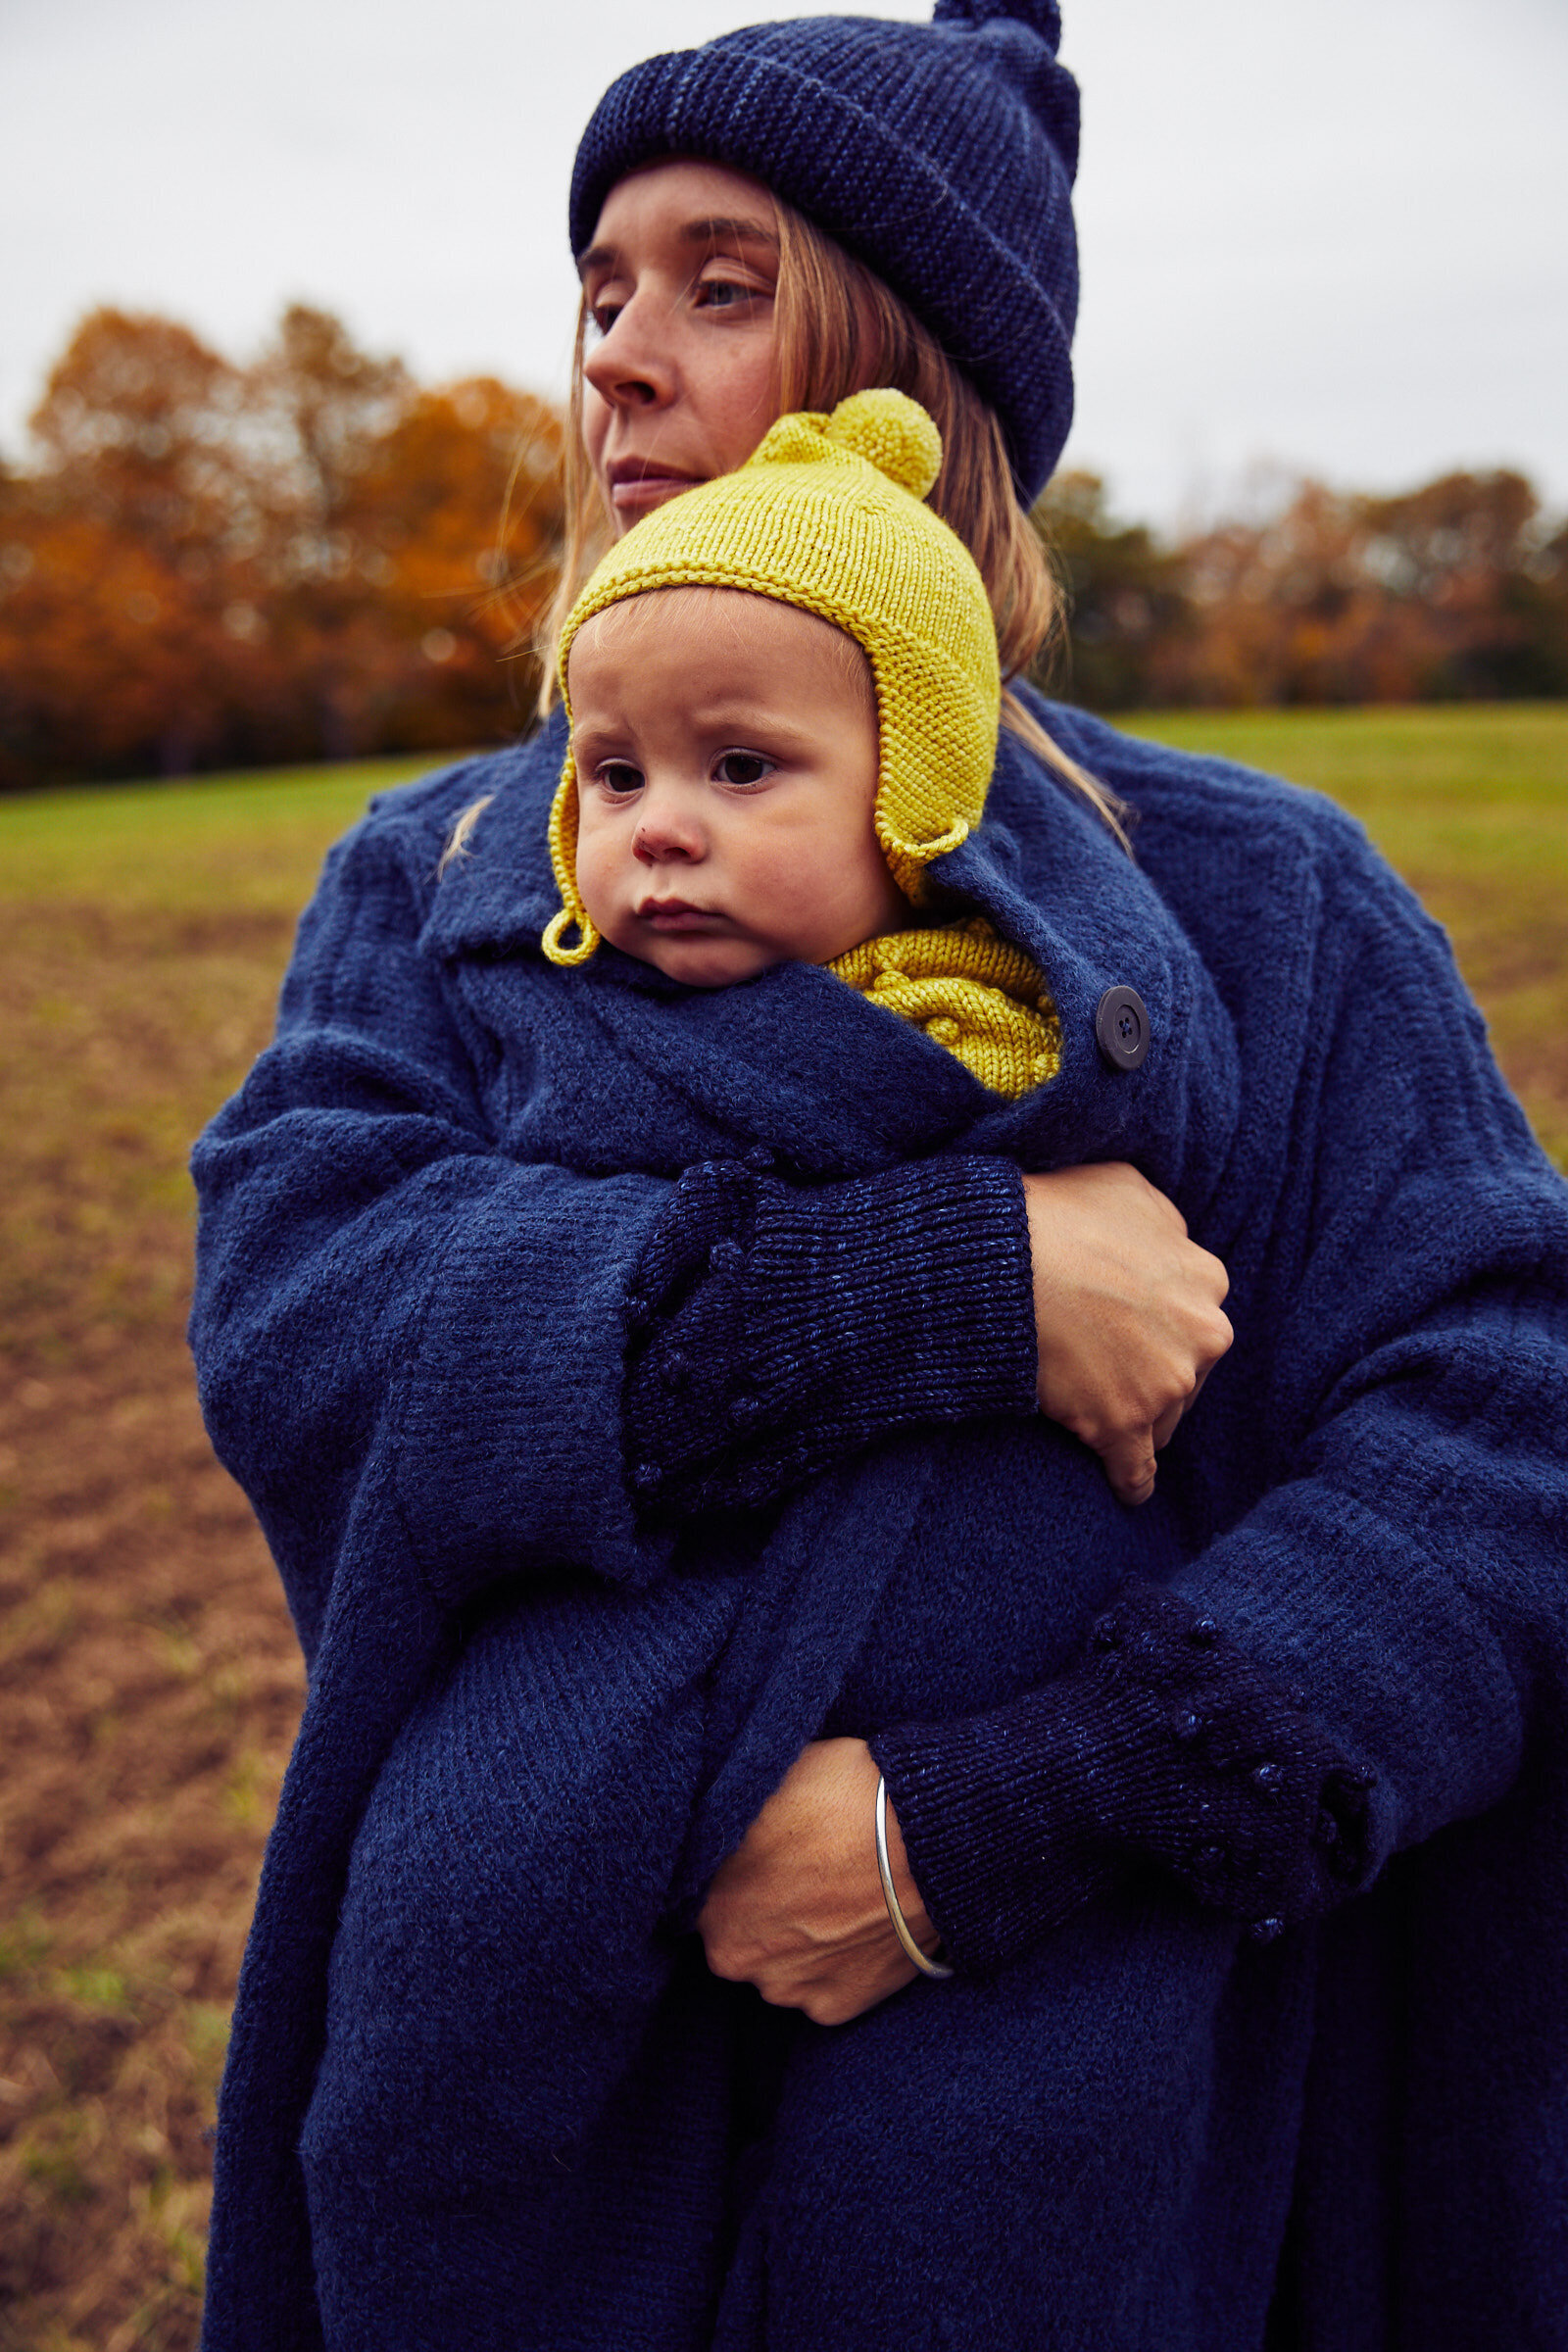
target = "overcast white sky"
x: 1332, y: 238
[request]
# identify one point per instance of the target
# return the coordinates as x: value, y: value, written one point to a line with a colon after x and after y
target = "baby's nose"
x: 665, y: 834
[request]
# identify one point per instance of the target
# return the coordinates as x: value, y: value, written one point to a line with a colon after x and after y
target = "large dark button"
x: 1121, y: 1025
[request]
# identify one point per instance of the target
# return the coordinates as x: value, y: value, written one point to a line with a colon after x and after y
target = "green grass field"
x: 252, y: 842
x: 149, y: 1678
x: 1479, y: 789
x: 1469, y: 802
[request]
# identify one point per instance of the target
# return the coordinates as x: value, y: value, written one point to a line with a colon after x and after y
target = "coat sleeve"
x: 383, y: 1294
x: 779, y: 1328
x: 1379, y: 1646
x: 380, y: 1293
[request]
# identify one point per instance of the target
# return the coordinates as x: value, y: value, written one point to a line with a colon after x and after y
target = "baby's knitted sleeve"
x: 1164, y: 1747
x: 778, y: 1327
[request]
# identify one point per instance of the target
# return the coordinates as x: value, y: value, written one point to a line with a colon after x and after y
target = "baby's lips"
x: 675, y: 914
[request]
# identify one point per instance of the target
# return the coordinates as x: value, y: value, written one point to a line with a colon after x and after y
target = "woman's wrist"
x: 990, y: 1842
x: 885, y: 1824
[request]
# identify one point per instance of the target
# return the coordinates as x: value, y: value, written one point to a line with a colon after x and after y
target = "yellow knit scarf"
x: 970, y: 991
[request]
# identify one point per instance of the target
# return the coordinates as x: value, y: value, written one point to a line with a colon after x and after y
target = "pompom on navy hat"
x: 942, y: 155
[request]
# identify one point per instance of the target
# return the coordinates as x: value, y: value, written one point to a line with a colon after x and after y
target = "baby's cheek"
x: 599, y: 860
x: 840, y: 894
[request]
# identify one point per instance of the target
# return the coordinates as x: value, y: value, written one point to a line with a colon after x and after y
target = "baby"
x: 784, y: 693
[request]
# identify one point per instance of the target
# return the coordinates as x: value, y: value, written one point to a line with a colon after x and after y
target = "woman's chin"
x: 636, y: 501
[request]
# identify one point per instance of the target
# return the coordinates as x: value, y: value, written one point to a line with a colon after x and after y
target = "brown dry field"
x: 148, y: 1680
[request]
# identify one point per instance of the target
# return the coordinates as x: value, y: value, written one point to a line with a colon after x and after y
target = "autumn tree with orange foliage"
x: 314, y: 555
x: 214, y: 566
x: 1456, y: 589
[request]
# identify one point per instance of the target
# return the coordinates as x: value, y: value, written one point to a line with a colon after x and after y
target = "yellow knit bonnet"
x: 827, y: 515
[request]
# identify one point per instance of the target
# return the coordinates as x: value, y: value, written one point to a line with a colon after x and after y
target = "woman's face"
x: 680, y: 380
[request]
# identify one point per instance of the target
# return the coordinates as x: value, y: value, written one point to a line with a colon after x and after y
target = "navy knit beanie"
x: 942, y: 155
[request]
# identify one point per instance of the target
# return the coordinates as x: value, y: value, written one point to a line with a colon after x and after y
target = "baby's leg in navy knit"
x: 1057, y: 2161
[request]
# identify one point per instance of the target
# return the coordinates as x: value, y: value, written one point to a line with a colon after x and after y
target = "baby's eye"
x: 743, y: 768
x: 619, y: 776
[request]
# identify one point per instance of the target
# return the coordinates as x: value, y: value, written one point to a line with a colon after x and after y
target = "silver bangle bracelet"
x: 901, y: 1925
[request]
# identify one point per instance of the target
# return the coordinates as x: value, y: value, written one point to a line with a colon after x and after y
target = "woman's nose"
x: 626, y: 367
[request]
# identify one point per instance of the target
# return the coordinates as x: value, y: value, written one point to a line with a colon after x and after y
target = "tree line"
x: 311, y: 556
x: 1458, y: 590
x: 205, y: 564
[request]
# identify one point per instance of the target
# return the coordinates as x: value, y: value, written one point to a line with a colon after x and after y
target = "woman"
x: 691, y: 1469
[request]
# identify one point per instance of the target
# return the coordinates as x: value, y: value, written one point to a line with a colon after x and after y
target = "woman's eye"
x: 602, y: 315
x: 726, y: 294
x: 619, y: 776
x: 743, y: 768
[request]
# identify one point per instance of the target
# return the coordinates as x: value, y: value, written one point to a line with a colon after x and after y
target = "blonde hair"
x: 839, y: 330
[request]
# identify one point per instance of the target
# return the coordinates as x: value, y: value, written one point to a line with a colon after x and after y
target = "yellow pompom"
x: 892, y: 433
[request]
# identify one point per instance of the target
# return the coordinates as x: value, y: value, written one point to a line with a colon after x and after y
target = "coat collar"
x: 836, y: 1084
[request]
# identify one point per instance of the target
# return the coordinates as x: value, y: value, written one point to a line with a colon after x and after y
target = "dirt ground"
x: 148, y: 1680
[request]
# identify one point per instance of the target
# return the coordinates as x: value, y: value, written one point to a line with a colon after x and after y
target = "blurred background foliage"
x: 1455, y: 591
x: 209, y: 566
x: 212, y: 565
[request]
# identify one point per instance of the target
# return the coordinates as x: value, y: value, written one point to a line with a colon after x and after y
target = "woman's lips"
x: 634, y: 483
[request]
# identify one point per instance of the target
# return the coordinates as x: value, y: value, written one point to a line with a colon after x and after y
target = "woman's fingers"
x: 798, y: 1908
x: 1129, y: 1320
x: 1129, y: 1464
x: 829, y: 1991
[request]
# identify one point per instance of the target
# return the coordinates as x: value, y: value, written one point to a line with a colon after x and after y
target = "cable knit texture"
x: 969, y: 121
x: 482, y: 2091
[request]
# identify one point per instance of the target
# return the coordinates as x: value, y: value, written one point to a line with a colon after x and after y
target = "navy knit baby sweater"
x: 772, y: 1337
x: 635, y: 1383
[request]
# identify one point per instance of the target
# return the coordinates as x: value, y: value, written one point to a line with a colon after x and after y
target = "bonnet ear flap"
x: 564, y: 859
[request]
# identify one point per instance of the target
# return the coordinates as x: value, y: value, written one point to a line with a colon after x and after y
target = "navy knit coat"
x: 635, y: 1384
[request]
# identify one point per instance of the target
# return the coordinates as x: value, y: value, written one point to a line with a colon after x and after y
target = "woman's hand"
x: 798, y: 1908
x: 1127, y: 1314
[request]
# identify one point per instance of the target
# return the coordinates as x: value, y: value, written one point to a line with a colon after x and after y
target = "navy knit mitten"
x: 1163, y: 1745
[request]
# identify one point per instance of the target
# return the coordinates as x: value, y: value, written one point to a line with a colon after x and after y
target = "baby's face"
x: 726, y: 752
